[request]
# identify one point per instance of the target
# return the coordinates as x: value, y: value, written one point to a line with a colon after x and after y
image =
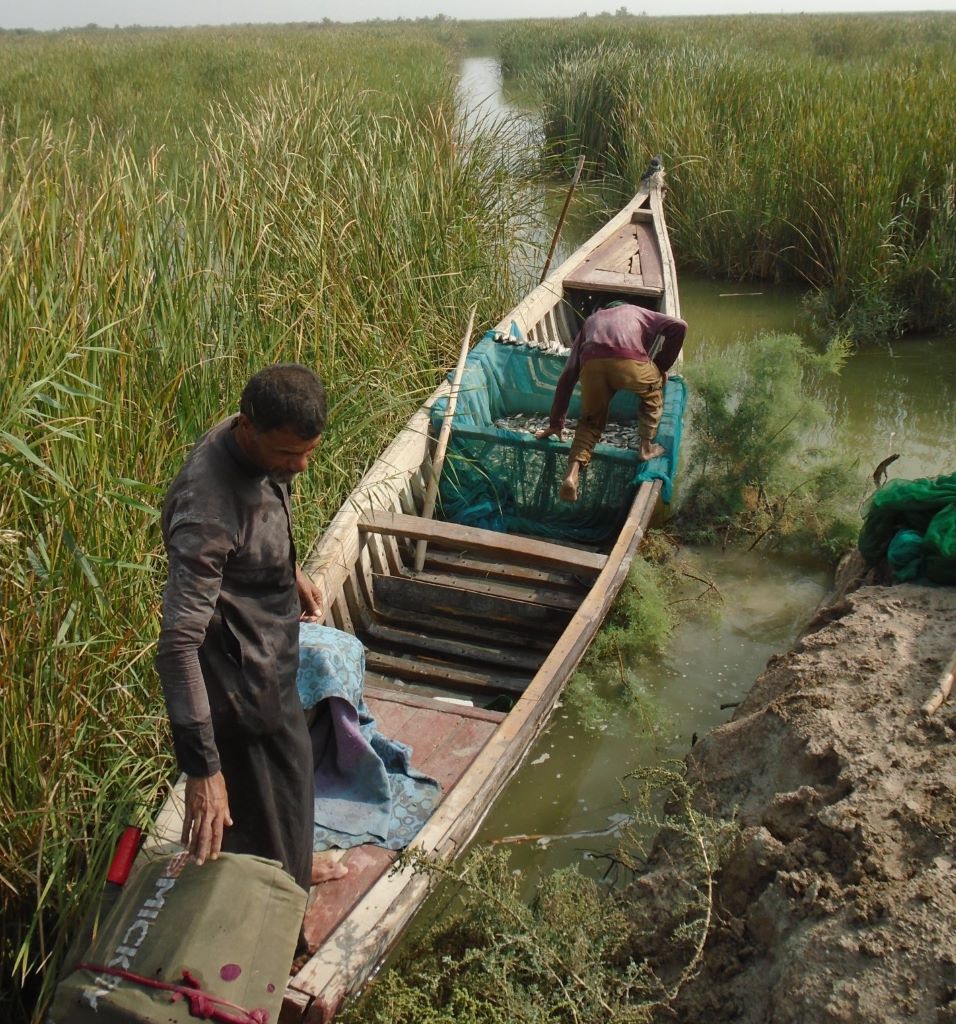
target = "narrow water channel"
x: 888, y: 400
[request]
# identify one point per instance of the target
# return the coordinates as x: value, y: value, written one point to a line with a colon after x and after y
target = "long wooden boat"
x: 494, y: 621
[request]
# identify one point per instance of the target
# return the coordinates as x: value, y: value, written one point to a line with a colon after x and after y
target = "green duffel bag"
x: 184, y: 943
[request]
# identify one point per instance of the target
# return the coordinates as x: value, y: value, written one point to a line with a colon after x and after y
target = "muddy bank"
x: 839, y: 901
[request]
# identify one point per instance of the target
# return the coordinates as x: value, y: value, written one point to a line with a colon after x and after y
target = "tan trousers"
x: 600, y: 379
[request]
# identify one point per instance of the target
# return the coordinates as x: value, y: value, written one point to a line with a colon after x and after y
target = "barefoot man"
x: 229, y: 646
x: 609, y: 354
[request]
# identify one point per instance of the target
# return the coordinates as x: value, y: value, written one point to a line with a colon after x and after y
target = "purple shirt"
x: 624, y: 332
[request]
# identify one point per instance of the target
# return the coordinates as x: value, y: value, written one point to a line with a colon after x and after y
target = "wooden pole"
x: 431, y: 492
x: 564, y: 213
x: 943, y: 688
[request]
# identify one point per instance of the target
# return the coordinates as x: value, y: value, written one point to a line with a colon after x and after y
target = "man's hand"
x: 310, y: 597
x: 548, y: 432
x: 206, y: 815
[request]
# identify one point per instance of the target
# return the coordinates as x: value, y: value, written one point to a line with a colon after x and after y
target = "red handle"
x: 126, y: 850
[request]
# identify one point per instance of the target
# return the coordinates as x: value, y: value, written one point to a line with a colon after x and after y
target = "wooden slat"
x: 428, y: 691
x: 451, y: 628
x: 393, y: 556
x: 407, y: 500
x: 418, y: 487
x: 355, y: 599
x: 631, y: 259
x: 387, y: 637
x: 414, y: 700
x: 376, y: 552
x: 515, y: 590
x: 446, y: 761
x: 652, y: 271
x: 445, y: 675
x: 671, y: 303
x: 611, y: 281
x: 366, y: 864
x: 569, y: 323
x: 450, y: 561
x: 414, y: 595
x: 340, y: 615
x: 454, y: 626
x: 522, y: 550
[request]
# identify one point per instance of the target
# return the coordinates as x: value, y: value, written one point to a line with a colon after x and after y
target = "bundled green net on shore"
x: 504, y: 479
x: 912, y: 525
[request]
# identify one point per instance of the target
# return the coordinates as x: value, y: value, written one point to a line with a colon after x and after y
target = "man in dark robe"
x: 228, y: 651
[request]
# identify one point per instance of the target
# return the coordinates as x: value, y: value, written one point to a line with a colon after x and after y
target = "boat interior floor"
x: 445, y: 739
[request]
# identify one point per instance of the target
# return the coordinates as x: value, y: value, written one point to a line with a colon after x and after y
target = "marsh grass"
x: 810, y: 148
x: 318, y: 218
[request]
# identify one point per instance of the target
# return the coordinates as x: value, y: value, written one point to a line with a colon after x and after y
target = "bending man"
x: 229, y: 646
x: 610, y: 354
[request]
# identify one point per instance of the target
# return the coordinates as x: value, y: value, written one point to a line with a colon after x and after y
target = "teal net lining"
x: 501, y: 479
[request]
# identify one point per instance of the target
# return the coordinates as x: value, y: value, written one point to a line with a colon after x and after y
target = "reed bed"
x: 319, y: 218
x: 812, y: 148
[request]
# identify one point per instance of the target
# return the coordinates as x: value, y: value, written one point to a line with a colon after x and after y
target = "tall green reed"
x: 322, y: 219
x: 816, y: 149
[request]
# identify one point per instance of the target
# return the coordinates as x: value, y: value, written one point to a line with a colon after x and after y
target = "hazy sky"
x: 49, y: 14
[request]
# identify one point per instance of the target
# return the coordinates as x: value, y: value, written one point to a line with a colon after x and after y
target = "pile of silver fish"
x: 619, y: 435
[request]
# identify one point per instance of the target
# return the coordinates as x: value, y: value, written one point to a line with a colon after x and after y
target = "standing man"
x: 610, y: 354
x: 229, y: 647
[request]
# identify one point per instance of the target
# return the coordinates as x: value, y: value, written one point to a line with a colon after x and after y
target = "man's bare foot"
x: 569, y: 490
x: 326, y: 866
x: 650, y: 450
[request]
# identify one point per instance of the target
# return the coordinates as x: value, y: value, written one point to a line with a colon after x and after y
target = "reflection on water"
x: 482, y: 104
x: 712, y: 660
x: 896, y: 398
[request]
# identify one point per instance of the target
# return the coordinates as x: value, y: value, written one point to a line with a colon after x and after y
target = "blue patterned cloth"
x: 366, y: 790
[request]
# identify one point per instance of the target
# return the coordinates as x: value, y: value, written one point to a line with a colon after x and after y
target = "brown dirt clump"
x: 838, y: 902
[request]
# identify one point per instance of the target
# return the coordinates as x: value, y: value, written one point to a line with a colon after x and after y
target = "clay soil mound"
x: 839, y: 901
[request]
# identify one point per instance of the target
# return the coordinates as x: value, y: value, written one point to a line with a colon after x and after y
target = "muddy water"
x: 888, y: 400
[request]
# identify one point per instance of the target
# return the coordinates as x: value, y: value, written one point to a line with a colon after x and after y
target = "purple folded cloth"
x: 366, y: 790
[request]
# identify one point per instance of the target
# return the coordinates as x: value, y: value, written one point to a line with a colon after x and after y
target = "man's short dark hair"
x: 286, y: 395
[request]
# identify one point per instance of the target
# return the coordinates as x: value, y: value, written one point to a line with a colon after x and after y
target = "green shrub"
x: 755, y: 475
x: 580, y: 953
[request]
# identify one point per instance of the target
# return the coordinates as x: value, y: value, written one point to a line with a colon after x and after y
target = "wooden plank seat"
x: 453, y: 562
x: 479, y: 607
x: 504, y: 546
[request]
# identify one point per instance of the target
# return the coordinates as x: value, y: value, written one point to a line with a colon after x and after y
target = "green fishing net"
x: 503, y: 479
x: 912, y: 524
